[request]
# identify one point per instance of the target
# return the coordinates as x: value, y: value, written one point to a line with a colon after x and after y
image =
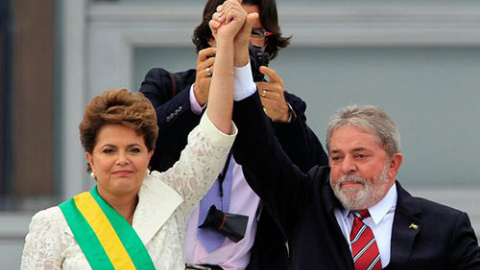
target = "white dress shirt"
x: 243, y: 201
x: 380, y: 221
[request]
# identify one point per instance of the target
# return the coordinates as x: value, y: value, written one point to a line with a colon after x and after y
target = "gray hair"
x: 370, y: 119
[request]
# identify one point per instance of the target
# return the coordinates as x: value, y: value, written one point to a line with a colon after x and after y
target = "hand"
x: 272, y: 97
x: 242, y: 39
x: 204, y: 78
x: 228, y: 20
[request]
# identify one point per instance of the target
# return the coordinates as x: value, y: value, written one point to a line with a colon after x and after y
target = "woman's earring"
x: 93, y: 175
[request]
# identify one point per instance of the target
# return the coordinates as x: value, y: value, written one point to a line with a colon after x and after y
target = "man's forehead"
x: 352, y: 131
x: 351, y: 138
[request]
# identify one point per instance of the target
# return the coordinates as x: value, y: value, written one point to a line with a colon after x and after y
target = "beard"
x: 365, y: 196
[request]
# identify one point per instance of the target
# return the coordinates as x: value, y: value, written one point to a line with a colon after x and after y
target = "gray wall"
x: 11, y: 253
x: 433, y: 93
x: 430, y: 92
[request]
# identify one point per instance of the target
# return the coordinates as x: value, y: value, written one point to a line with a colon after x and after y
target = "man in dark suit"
x: 179, y: 100
x: 333, y: 212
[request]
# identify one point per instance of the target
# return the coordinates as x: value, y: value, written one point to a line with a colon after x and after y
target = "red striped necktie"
x: 364, y: 247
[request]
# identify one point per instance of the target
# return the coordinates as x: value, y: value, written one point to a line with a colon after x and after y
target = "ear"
x: 394, y: 166
x: 89, y: 157
x: 150, y: 154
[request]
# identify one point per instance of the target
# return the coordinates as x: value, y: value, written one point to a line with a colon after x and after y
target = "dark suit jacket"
x: 176, y: 120
x: 302, y: 204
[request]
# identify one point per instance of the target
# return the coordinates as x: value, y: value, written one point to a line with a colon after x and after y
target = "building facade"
x: 419, y: 60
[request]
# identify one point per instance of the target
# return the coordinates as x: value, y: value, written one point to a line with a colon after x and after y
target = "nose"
x: 122, y: 159
x: 258, y: 42
x: 348, y: 165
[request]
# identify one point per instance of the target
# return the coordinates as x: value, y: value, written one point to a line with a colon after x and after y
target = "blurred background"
x: 419, y: 60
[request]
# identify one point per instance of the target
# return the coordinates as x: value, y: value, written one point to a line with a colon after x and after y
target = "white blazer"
x: 164, y: 206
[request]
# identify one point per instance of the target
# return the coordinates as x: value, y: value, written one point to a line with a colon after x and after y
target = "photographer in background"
x: 249, y: 238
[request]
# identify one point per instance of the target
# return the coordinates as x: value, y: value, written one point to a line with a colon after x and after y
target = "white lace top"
x: 165, y: 203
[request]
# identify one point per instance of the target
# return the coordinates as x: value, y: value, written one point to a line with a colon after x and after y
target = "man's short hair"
x: 371, y: 119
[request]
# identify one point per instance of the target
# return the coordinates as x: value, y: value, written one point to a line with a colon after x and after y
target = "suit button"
x: 168, y: 118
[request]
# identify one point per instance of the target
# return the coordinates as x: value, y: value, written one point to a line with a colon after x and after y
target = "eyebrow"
x: 359, y: 149
x: 113, y: 145
x: 354, y: 150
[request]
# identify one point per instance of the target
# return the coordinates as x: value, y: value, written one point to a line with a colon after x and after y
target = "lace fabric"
x: 50, y: 243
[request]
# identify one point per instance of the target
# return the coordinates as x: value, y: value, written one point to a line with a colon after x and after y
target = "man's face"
x: 361, y: 174
x: 257, y: 40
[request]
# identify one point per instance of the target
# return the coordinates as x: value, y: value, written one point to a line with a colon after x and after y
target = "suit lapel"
x: 406, y: 226
x: 331, y: 202
x: 165, y: 199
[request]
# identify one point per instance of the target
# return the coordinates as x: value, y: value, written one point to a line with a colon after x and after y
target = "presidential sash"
x: 107, y: 240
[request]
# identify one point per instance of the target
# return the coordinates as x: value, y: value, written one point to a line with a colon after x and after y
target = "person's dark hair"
x: 119, y: 106
x: 268, y: 17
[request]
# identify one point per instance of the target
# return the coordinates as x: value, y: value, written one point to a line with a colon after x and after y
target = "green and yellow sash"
x: 105, y: 237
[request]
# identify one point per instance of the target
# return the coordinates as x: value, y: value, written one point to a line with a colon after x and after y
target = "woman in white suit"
x: 134, y: 219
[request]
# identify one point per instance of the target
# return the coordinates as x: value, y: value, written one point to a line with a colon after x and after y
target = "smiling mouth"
x: 349, y: 184
x: 123, y: 172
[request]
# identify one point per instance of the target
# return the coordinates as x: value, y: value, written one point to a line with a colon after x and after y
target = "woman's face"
x: 119, y: 160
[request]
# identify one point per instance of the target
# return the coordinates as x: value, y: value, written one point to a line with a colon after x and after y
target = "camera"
x: 257, y: 58
x: 232, y: 226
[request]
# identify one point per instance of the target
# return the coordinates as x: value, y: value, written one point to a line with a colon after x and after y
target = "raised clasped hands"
x: 231, y: 22
x: 227, y: 21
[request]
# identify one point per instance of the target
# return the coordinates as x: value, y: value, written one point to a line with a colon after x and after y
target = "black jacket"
x: 169, y: 94
x: 302, y: 204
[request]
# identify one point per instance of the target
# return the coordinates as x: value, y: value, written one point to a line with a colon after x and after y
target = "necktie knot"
x: 363, y: 213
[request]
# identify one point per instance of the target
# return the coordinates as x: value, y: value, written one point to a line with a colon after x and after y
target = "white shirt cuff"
x: 196, y: 108
x: 243, y: 85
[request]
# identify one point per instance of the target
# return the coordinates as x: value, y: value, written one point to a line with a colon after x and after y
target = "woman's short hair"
x: 370, y: 119
x: 268, y: 17
x: 119, y: 106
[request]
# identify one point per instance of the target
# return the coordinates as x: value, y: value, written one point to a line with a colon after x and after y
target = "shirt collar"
x: 379, y: 210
